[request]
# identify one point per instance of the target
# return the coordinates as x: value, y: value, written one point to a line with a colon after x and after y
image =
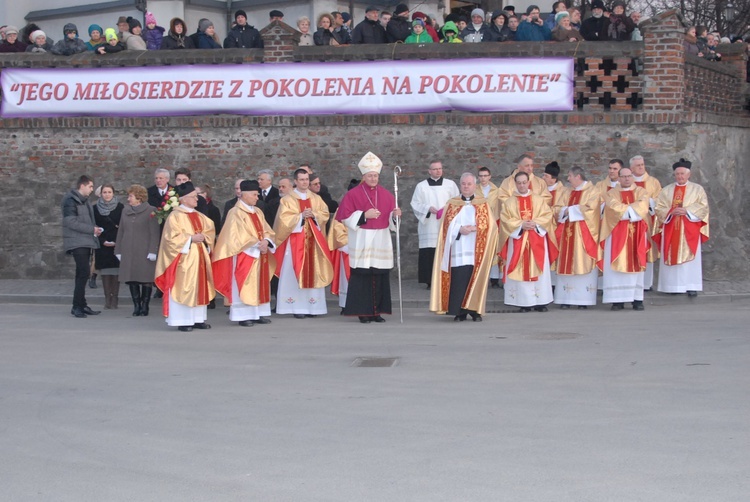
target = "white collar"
x: 249, y: 208
x: 187, y: 209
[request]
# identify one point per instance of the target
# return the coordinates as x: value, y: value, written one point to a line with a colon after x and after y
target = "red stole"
x: 245, y: 263
x: 530, y: 245
x: 338, y: 257
x: 566, y: 240
x: 631, y: 237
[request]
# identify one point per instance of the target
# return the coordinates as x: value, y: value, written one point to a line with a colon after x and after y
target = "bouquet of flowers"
x: 169, y: 202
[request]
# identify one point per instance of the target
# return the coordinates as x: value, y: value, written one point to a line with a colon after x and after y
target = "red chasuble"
x: 566, y: 239
x: 675, y: 228
x: 631, y: 238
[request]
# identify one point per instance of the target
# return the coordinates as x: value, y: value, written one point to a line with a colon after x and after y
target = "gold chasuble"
x: 680, y: 235
x: 241, y: 231
x: 485, y: 253
x: 630, y: 241
x: 491, y: 197
x: 311, y: 255
x: 508, y: 189
x: 187, y: 277
x: 527, y: 262
x: 338, y: 237
x: 578, y: 240
x: 653, y: 188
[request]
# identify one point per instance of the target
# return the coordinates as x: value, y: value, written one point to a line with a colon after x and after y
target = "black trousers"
x: 82, y: 257
x: 424, y: 265
x: 460, y: 278
x: 369, y: 292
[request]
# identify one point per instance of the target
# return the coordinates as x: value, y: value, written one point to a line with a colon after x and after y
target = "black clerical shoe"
x: 158, y: 293
x: 299, y: 316
x: 202, y: 325
x: 459, y: 318
x: 564, y: 307
x: 540, y: 308
x: 378, y: 318
x: 310, y: 315
x: 184, y: 328
x: 211, y: 304
x: 247, y: 324
x: 523, y: 310
x: 263, y: 320
x: 638, y: 305
x: 476, y: 317
x: 692, y: 294
x: 364, y: 319
x: 77, y: 312
x: 617, y: 306
x: 87, y: 310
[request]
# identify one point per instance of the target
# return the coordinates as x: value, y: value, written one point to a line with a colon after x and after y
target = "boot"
x: 107, y: 286
x: 145, y: 298
x: 115, y: 292
x: 135, y: 294
x: 92, y: 281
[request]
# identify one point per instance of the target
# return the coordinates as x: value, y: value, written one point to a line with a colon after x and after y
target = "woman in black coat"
x: 107, y: 213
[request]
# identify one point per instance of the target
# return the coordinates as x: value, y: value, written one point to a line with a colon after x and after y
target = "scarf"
x: 106, y: 207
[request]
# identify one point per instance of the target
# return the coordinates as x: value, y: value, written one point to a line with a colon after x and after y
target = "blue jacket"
x: 530, y: 32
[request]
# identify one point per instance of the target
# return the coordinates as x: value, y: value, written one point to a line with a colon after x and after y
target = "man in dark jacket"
x: 243, y: 36
x: 157, y: 192
x: 399, y: 27
x: 369, y: 31
x: 79, y: 239
x: 477, y: 31
x: 595, y: 27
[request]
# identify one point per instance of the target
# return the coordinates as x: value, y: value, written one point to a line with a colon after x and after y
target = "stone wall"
x: 623, y: 108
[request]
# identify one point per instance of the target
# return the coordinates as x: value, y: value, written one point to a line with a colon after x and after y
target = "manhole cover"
x: 554, y: 336
x: 375, y: 362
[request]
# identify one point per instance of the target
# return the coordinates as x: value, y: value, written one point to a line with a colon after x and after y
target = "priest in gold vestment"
x: 527, y: 247
x: 183, y: 265
x: 466, y: 250
x: 624, y: 242
x: 524, y: 164
x: 579, y: 215
x: 305, y: 267
x: 682, y: 210
x: 243, y: 260
x: 653, y: 188
x: 489, y: 191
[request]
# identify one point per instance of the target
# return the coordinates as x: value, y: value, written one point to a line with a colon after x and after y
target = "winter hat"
x: 369, y: 8
x: 95, y: 27
x: 204, y: 24
x: 346, y: 16
x: 532, y: 7
x: 10, y: 30
x: 418, y: 15
x: 400, y: 9
x: 478, y: 12
x: 370, y: 163
x: 110, y: 34
x: 275, y: 13
x: 418, y: 22
x: 36, y: 34
x: 618, y: 2
x: 560, y: 15
x: 240, y: 13
x: 133, y: 23
x: 150, y: 18
x: 122, y: 19
x: 597, y: 4
x: 70, y: 27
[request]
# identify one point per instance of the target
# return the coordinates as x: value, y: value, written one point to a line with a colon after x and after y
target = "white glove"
x: 151, y: 257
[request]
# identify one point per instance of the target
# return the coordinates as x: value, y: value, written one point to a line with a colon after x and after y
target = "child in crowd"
x: 418, y: 35
x: 70, y: 43
x: 113, y: 44
x: 153, y: 34
x: 450, y: 34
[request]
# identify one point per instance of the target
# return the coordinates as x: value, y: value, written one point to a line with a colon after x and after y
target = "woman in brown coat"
x: 136, y: 246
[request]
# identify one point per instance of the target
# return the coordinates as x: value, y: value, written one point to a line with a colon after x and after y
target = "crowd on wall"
x: 563, y: 23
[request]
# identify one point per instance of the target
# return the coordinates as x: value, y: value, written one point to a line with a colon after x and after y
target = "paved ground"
x: 561, y: 406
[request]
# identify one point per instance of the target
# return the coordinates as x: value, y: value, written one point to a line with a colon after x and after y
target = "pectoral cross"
x: 526, y: 214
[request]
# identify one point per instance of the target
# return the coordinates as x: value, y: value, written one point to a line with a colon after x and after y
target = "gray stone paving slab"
x: 560, y: 406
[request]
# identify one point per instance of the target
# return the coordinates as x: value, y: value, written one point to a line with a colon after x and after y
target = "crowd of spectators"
x: 563, y: 23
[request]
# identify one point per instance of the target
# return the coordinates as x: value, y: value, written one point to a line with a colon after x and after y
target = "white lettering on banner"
x: 482, y: 85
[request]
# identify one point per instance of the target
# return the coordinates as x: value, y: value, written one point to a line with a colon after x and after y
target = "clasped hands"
x: 198, y: 238
x: 528, y: 225
x: 373, y: 213
x: 467, y: 229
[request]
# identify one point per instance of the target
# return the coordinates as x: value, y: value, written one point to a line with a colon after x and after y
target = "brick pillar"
x: 664, y: 62
x: 279, y: 40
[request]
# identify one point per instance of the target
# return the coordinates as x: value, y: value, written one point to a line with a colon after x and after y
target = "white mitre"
x: 370, y: 163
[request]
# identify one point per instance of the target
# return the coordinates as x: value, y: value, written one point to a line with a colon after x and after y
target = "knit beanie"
x: 150, y: 18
